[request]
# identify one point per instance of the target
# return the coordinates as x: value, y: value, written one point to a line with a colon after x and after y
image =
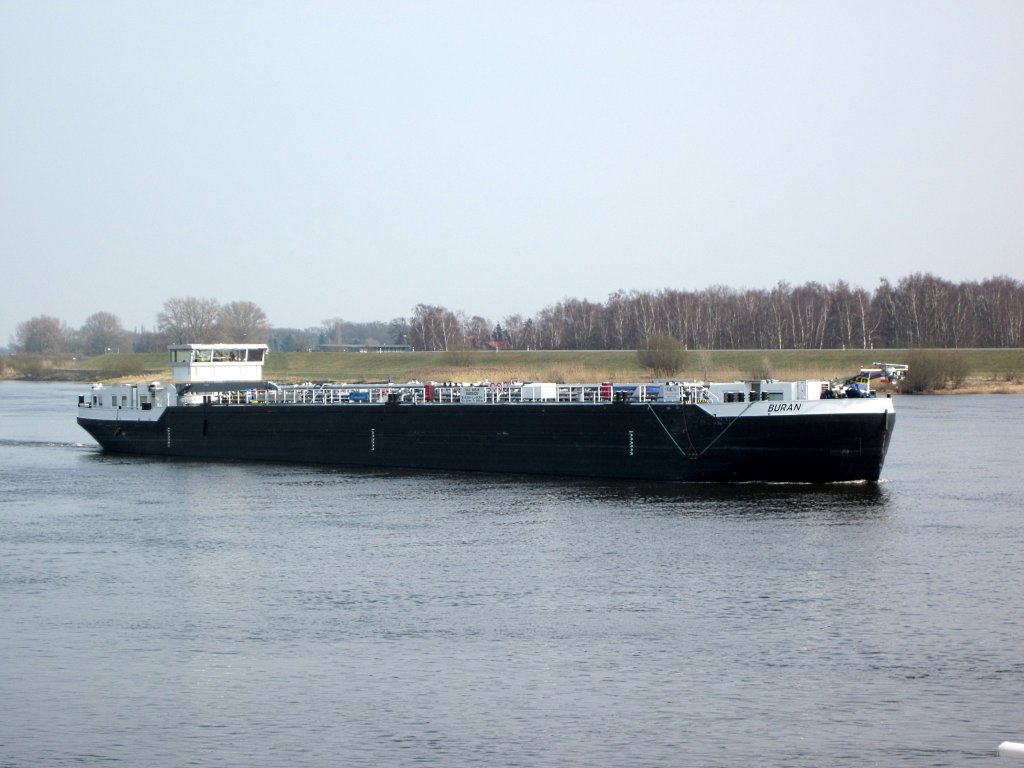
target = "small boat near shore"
x: 219, y: 406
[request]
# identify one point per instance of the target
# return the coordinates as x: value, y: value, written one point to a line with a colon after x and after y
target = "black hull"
x: 634, y: 441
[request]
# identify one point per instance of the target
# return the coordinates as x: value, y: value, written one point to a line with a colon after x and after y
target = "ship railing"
x: 339, y: 394
x: 462, y: 393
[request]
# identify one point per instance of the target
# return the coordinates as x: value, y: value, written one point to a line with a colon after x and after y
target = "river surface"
x: 172, y: 613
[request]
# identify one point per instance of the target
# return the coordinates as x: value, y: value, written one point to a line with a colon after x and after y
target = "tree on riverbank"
x: 185, y: 320
x: 102, y: 332
x: 190, y: 319
x: 242, y: 321
x: 919, y: 310
x: 663, y: 355
x: 42, y: 335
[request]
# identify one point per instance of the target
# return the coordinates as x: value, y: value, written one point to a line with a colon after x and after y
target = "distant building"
x: 364, y: 348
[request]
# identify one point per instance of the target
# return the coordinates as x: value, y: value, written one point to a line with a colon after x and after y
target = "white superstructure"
x: 232, y: 364
x: 192, y: 363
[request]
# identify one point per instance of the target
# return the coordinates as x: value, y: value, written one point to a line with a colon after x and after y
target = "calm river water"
x: 170, y: 613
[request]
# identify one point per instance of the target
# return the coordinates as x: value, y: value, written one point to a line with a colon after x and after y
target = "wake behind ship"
x: 219, y: 406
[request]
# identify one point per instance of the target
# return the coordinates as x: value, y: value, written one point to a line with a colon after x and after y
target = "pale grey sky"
x: 351, y: 159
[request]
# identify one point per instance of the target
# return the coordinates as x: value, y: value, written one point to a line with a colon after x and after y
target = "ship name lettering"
x: 776, y: 407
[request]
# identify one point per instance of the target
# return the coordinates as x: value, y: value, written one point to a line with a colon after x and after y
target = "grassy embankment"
x: 987, y: 370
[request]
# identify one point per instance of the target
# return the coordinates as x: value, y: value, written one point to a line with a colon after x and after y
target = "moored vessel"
x: 219, y: 406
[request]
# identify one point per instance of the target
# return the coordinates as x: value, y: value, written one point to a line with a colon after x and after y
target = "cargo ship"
x: 219, y: 406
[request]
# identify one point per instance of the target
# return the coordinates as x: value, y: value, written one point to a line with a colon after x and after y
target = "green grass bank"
x: 996, y: 370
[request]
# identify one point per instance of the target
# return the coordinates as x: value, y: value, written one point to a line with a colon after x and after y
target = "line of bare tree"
x: 920, y: 310
x: 181, y: 320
